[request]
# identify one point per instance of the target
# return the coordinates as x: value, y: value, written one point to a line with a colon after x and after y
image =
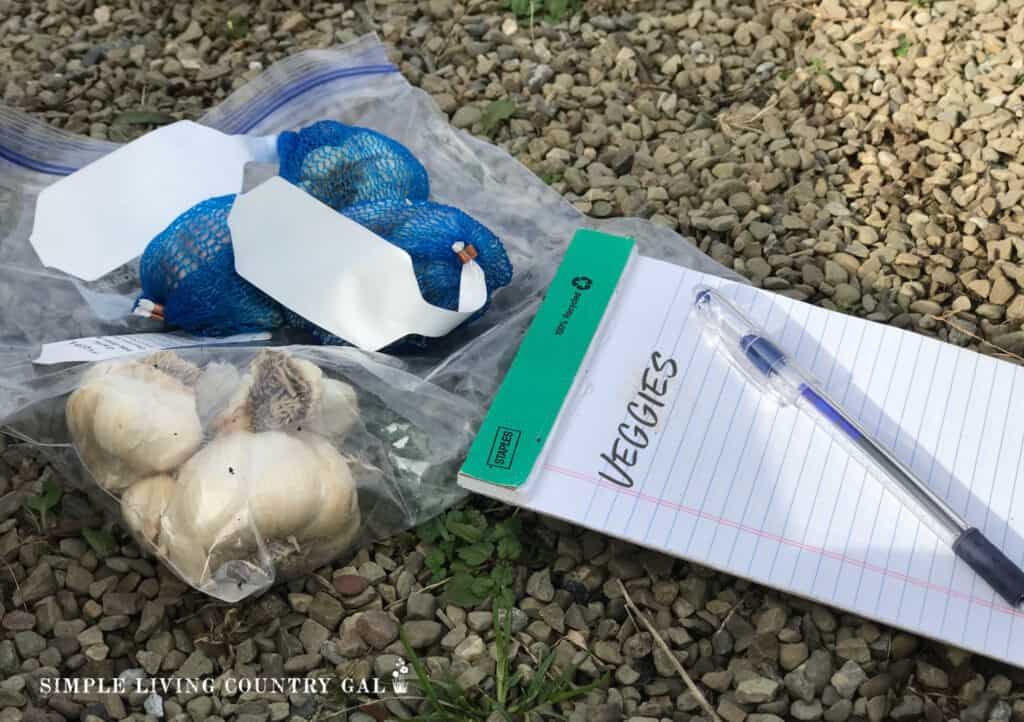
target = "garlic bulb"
x: 245, y: 489
x: 131, y: 419
x: 277, y: 391
x: 143, y: 505
x: 283, y: 392
x: 336, y: 413
x: 269, y: 495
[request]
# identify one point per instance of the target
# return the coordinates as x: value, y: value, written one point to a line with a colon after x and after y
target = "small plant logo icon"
x: 398, y: 679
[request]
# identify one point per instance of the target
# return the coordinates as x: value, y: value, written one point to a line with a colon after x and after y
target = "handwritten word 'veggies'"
x: 642, y: 412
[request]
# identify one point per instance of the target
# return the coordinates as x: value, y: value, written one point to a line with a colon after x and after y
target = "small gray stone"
x: 553, y: 615
x: 377, y: 628
x: 876, y: 708
x: 312, y: 635
x: 467, y: 116
x: 788, y: 158
x: 840, y: 711
x: 372, y: 572
x: 848, y: 679
x: 97, y: 652
x: 8, y: 656
x: 115, y: 604
x: 879, y: 684
x: 724, y: 223
x: 47, y: 615
x: 326, y: 610
x: 152, y: 616
x: 1001, y: 712
x: 454, y: 638
x: 805, y: 710
x: 931, y: 676
x: 792, y: 656
x: 18, y: 621
x: 40, y: 583
x: 92, y: 635
x: 910, y: 707
x: 197, y: 665
x: 420, y: 605
x: 480, y: 621
x: 638, y: 645
x: 154, y: 705
x: 422, y: 633
x: 471, y: 649
x: 200, y: 707
x: 539, y: 586
x: 150, y: 661
x: 756, y: 690
x: 608, y: 651
x: 772, y: 620
x: 302, y: 663
x: 29, y: 643
x: 854, y: 649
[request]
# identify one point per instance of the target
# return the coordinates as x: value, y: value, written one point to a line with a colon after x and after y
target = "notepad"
x: 731, y: 480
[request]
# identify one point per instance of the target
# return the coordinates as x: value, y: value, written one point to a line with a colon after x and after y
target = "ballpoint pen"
x: 770, y: 368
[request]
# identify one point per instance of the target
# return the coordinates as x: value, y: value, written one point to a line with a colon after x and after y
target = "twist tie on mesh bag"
x: 466, y: 253
x: 341, y: 164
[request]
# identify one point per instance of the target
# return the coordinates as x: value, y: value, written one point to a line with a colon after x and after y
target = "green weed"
x: 819, y: 67
x: 100, y: 541
x: 903, y: 49
x: 474, y: 553
x: 495, y: 114
x: 514, y: 698
x: 45, y: 501
x: 236, y: 28
x: 551, y: 11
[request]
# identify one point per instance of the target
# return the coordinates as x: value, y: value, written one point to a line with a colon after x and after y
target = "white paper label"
x: 102, y: 348
x: 102, y: 216
x: 335, y: 272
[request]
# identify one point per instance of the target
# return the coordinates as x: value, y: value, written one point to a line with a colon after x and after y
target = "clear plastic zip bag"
x: 418, y: 411
x: 239, y: 467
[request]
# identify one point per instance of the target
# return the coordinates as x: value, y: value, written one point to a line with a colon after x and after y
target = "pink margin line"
x: 784, y: 540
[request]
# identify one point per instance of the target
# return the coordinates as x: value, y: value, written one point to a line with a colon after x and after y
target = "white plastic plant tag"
x: 335, y: 272
x: 102, y: 216
x: 102, y: 348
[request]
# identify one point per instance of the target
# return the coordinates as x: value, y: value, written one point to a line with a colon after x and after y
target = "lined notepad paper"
x: 731, y: 480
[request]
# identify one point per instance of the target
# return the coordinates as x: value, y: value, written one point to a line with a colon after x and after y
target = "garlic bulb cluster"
x: 213, y: 477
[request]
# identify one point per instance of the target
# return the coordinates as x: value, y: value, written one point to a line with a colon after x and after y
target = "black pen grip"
x: 991, y: 565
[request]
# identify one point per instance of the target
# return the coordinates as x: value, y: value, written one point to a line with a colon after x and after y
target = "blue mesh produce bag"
x: 427, y: 231
x: 189, y: 280
x: 188, y: 271
x: 342, y: 164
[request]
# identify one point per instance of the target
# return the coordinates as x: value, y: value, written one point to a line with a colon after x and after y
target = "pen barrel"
x: 985, y: 558
x: 913, y: 493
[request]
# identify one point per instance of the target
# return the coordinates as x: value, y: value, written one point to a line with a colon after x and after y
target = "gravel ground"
x: 863, y: 155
